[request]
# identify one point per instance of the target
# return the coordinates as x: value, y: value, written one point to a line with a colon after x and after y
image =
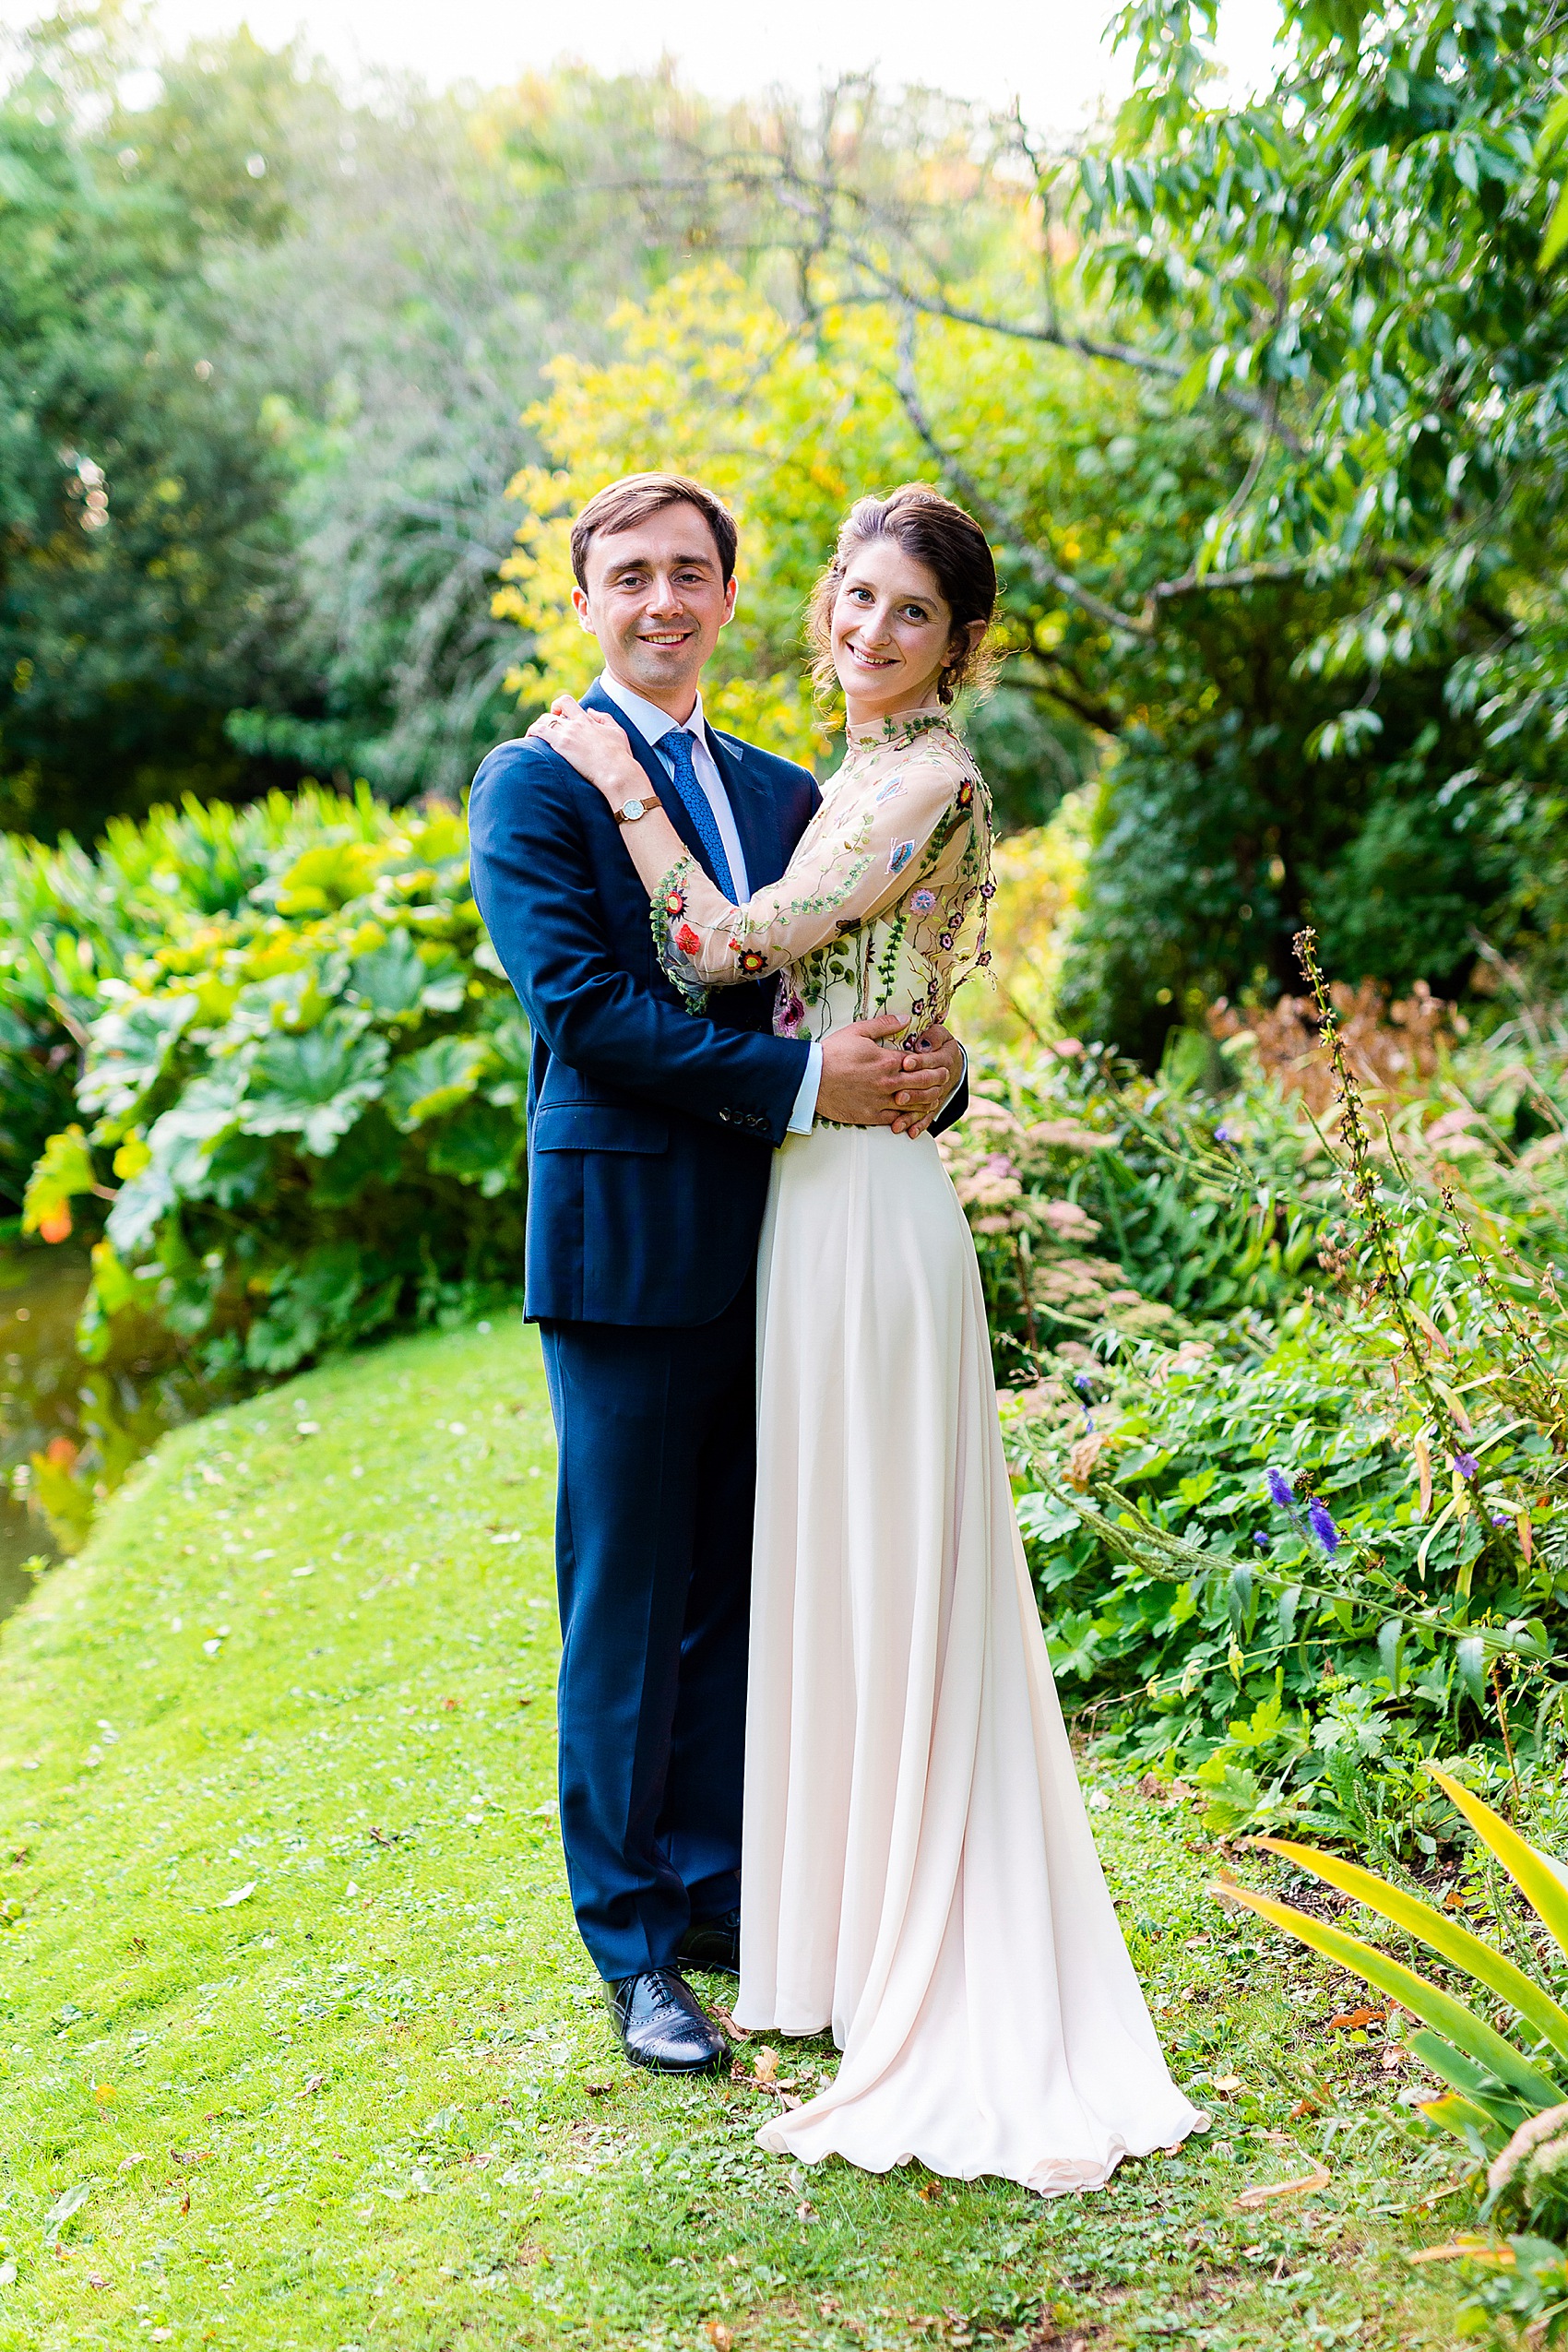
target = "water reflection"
x: 69, y: 1430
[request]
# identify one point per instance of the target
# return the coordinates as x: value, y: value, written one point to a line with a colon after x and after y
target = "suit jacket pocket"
x: 599, y: 1127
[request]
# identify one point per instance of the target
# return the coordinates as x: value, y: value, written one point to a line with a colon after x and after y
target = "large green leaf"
x: 389, y: 979
x: 1441, y: 1932
x: 1469, y: 2033
x: 434, y: 1081
x: 481, y: 1145
x: 314, y: 1085
x: 130, y: 1050
x: 1535, y: 1876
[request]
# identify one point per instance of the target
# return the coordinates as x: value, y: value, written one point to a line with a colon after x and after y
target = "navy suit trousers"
x: 658, y: 1465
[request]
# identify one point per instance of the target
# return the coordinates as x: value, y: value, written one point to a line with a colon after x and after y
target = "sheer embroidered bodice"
x: 881, y: 909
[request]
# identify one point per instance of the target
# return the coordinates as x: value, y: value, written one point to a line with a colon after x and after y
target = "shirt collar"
x: 650, y: 722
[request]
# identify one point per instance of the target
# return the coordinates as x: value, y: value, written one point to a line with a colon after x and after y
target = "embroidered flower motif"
x: 966, y: 793
x: 892, y: 790
x: 988, y: 889
x: 945, y: 939
x: 790, y: 1011
x: 923, y: 901
x: 752, y: 958
x: 675, y: 901
x: 899, y: 855
x: 686, y: 940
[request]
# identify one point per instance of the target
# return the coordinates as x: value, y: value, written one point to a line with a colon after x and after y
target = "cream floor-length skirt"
x: 918, y: 1869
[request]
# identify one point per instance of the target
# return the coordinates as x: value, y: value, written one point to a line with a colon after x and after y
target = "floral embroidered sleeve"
x: 878, y: 835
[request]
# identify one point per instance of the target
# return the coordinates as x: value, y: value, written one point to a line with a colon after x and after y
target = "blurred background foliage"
x: 1264, y: 408
x: 1263, y: 404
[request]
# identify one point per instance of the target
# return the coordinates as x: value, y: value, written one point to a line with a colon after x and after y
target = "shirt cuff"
x: 963, y: 1073
x: 804, y: 1112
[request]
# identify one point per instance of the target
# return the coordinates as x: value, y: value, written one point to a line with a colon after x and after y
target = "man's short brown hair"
x: 623, y: 505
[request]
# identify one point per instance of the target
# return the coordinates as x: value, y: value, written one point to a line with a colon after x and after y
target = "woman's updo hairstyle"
x: 952, y: 548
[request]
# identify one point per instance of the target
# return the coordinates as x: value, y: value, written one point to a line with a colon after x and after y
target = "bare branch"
x: 1046, y: 574
x: 1049, y: 575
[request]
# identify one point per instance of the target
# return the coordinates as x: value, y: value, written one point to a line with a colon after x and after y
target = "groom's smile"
x: 656, y: 596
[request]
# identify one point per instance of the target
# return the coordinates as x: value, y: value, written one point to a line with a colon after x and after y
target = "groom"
x: 650, y: 1136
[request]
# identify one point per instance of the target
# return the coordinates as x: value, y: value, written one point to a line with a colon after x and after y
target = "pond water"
x: 69, y: 1430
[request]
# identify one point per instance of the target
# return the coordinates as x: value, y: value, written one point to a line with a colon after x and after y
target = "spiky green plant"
x: 1495, y: 2083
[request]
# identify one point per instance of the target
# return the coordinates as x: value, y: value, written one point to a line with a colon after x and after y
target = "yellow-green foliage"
x: 1038, y: 873
x: 789, y: 427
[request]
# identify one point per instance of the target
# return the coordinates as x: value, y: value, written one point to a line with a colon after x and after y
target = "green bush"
x: 301, y: 1082
x: 1207, y: 1351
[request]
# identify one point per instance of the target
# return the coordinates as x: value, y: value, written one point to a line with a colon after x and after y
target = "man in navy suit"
x: 650, y: 1137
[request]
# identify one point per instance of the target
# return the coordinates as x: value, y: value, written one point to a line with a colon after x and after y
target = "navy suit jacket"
x: 651, y: 1129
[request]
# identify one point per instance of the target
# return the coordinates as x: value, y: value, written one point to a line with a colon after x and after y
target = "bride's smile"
x: 892, y: 631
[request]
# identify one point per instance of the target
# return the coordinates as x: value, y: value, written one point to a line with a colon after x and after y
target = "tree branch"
x: 1046, y: 574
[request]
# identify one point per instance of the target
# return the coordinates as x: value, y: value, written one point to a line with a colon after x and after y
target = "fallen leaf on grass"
x: 930, y: 2191
x: 70, y: 2201
x: 1262, y: 2192
x: 719, y: 2336
x: 1302, y: 2107
x: 126, y: 2162
x: 1226, y: 2083
x: 765, y: 2065
x: 191, y: 2156
x: 1353, y: 2017
x: 311, y: 2082
x: 239, y: 1895
x: 1475, y: 2249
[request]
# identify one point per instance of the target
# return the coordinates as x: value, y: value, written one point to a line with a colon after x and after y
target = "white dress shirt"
x: 653, y: 724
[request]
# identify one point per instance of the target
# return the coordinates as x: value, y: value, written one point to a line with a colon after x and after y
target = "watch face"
x: 632, y: 810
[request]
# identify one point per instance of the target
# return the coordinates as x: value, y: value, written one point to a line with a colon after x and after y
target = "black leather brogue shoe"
x: 713, y: 1944
x: 663, y: 2024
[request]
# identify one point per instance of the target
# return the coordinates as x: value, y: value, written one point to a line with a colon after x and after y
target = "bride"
x: 917, y: 1872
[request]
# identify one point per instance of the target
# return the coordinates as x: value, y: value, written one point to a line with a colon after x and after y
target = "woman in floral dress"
x: 918, y: 1872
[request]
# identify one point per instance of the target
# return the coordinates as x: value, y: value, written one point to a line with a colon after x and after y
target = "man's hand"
x: 865, y: 1085
x: 945, y: 1046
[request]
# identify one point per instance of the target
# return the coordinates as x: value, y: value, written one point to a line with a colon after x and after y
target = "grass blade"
x: 1441, y: 1933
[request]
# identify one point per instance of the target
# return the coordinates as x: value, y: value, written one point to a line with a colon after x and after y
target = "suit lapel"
x: 756, y: 817
x: 653, y: 768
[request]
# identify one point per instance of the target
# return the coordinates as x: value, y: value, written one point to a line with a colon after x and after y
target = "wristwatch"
x: 629, y: 812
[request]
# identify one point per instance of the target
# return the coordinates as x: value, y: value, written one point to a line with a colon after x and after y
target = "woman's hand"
x: 596, y: 747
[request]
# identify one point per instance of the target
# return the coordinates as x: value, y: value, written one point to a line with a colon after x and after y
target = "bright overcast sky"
x: 1049, y: 53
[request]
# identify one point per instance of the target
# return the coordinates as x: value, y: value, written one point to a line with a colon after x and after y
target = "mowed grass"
x: 299, y: 2049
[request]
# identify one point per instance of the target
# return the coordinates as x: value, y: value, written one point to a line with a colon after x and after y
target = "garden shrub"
x: 301, y: 1080
x: 1203, y: 1356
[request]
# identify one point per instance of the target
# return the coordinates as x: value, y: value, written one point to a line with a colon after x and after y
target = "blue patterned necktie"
x: 677, y: 743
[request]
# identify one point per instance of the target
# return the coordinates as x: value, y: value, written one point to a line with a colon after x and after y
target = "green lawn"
x: 301, y: 2050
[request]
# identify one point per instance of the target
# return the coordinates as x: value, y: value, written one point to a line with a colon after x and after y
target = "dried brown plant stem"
x: 1363, y: 1188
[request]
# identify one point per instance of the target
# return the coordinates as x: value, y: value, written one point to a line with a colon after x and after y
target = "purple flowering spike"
x: 1323, y: 1526
x: 1279, y: 1487
x: 1467, y: 1465
x: 1261, y: 1540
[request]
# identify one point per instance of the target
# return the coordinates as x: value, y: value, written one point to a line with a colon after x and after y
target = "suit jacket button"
x: 724, y: 1118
